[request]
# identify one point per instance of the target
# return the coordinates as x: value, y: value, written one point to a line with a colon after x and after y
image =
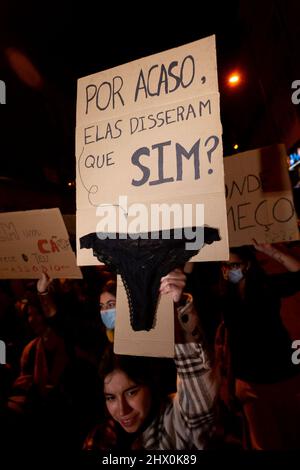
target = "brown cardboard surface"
x: 148, y: 133
x: 158, y: 342
x: 151, y: 148
x: 212, y: 252
x: 135, y: 85
x: 35, y: 241
x: 259, y: 197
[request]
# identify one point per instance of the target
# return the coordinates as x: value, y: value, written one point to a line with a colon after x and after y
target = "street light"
x: 234, y: 79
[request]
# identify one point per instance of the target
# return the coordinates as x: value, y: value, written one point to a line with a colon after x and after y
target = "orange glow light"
x: 24, y: 68
x: 234, y: 79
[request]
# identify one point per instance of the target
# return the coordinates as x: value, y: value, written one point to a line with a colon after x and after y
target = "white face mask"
x: 235, y: 275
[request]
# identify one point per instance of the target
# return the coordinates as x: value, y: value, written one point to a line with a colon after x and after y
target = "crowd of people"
x: 232, y: 383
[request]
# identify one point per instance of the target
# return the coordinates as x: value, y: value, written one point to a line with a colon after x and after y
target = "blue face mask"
x: 235, y: 275
x: 109, y: 318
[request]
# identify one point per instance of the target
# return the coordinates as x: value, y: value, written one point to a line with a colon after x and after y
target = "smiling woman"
x: 128, y: 394
x: 140, y: 414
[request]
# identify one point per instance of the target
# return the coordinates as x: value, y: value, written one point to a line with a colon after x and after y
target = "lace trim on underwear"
x: 141, y: 263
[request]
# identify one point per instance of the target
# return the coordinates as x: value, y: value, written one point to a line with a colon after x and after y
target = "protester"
x: 138, y: 416
x: 267, y: 383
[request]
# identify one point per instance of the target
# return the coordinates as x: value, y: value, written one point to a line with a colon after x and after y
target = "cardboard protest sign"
x: 149, y: 157
x: 35, y: 241
x: 149, y: 134
x: 158, y: 342
x: 259, y: 197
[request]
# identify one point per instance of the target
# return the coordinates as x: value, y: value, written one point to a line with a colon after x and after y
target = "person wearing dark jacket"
x: 267, y: 383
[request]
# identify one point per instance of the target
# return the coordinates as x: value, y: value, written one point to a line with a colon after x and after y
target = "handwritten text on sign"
x: 35, y: 241
x: 149, y: 123
x: 150, y: 130
x: 259, y: 199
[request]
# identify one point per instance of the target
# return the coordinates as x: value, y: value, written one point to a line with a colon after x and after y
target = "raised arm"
x: 291, y: 263
x: 187, y: 322
x: 188, y: 421
x: 46, y: 298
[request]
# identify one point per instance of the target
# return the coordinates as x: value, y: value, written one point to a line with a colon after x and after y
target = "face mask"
x: 109, y: 317
x: 235, y: 275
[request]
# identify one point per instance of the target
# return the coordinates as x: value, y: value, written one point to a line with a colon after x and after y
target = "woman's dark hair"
x: 110, y: 287
x: 245, y: 252
x: 255, y: 275
x: 142, y: 370
x: 138, y: 368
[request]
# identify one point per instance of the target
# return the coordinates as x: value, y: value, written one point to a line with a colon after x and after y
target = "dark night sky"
x: 65, y: 41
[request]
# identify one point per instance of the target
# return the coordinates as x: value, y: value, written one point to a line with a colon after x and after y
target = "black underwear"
x: 142, y: 262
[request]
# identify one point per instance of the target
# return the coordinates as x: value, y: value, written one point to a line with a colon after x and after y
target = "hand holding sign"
x: 173, y: 284
x: 43, y: 283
